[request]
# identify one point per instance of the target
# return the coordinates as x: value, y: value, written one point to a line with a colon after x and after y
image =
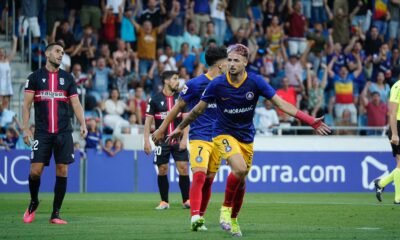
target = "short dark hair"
x: 167, y: 75
x: 51, y: 45
x: 214, y: 54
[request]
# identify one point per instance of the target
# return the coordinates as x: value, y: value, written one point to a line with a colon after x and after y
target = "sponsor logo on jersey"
x: 50, y: 94
x: 249, y: 95
x: 43, y: 80
x: 61, y: 81
x: 238, y: 110
x: 184, y: 89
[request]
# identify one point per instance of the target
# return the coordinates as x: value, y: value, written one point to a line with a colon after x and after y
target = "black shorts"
x: 44, y: 145
x: 162, y: 153
x: 395, y: 149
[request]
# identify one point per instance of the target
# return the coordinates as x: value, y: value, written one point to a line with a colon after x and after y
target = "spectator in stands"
x: 167, y: 60
x: 183, y: 73
x: 29, y: 18
x: 118, y: 146
x: 209, y: 35
x: 267, y: 118
x: 217, y: 9
x: 362, y: 19
x: 111, y: 22
x: 346, y: 120
x: 123, y: 55
x: 84, y: 52
x: 343, y: 82
x: 315, y: 91
x: 372, y: 42
x: 10, y: 140
x: 256, y: 63
x: 318, y: 12
x: 79, y: 77
x: 380, y: 16
x: 191, y: 38
x: 270, y: 10
x: 93, y: 138
x: 377, y: 110
x: 381, y: 63
x: 317, y: 50
x: 99, y: 83
x: 289, y: 94
x: 128, y: 34
x: 294, y: 65
x: 105, y: 52
x: 116, y: 5
x: 62, y: 31
x: 115, y: 108
x: 108, y: 147
x: 237, y: 11
x: 153, y: 13
x: 120, y: 81
x: 6, y: 89
x: 274, y: 35
x: 394, y: 24
x: 174, y: 32
x: 91, y: 14
x: 187, y: 59
x: 297, y: 26
x: 73, y: 7
x: 380, y: 86
x: 147, y: 44
x: 241, y: 36
x: 201, y: 15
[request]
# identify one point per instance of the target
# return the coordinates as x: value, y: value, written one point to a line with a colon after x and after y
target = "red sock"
x: 196, y: 192
x: 238, y: 199
x: 232, y: 184
x: 206, y: 195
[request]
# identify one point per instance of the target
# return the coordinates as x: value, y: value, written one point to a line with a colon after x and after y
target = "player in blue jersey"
x: 236, y: 95
x: 203, y: 160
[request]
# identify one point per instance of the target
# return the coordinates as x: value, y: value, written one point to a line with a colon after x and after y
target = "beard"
x: 54, y: 64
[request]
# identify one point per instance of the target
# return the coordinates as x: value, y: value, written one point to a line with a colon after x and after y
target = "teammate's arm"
x: 393, y: 107
x: 158, y: 135
x: 78, y: 110
x: 193, y: 115
x: 288, y: 108
x: 147, y: 126
x: 28, y: 100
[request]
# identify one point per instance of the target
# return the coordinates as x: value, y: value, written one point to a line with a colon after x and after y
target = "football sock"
x: 196, y: 192
x: 34, y: 184
x: 163, y: 187
x: 388, y: 179
x: 396, y: 179
x: 184, y: 185
x: 59, y: 192
x: 206, y: 195
x: 232, y: 184
x: 238, y: 199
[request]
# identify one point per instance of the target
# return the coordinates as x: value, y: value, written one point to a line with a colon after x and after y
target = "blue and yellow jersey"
x: 200, y: 129
x: 236, y: 104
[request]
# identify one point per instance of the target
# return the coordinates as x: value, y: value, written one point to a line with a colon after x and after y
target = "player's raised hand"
x: 83, y: 131
x: 28, y: 137
x: 175, y: 135
x: 157, y: 136
x: 394, y: 140
x: 321, y: 127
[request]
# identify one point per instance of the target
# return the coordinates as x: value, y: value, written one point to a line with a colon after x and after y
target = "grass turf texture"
x: 263, y: 216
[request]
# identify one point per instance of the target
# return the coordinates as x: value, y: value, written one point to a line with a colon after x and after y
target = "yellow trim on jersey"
x: 204, y: 155
x: 236, y: 85
x: 208, y: 76
x: 395, y: 96
x: 229, y: 146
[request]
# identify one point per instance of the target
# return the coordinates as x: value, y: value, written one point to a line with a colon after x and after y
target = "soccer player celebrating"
x: 52, y: 90
x: 236, y: 95
x: 394, y: 122
x: 157, y: 109
x: 204, y: 161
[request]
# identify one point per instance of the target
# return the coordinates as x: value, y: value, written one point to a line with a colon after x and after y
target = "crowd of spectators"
x: 335, y: 58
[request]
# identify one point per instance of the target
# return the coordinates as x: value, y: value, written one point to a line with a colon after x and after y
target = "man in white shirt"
x: 266, y: 118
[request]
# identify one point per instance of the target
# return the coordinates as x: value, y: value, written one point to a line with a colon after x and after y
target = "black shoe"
x: 396, y: 202
x: 378, y: 190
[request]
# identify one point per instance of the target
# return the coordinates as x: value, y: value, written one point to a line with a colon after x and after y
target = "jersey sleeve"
x: 208, y: 95
x: 395, y: 94
x: 187, y: 92
x: 265, y: 89
x: 150, y: 110
x: 30, y: 85
x: 72, y: 90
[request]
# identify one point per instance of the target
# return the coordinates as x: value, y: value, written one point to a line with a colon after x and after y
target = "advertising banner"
x: 14, y: 172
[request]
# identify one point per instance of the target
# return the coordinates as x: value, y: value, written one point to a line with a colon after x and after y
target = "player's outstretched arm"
x: 316, y: 123
x: 159, y: 134
x: 193, y: 115
x: 28, y: 100
x: 78, y: 110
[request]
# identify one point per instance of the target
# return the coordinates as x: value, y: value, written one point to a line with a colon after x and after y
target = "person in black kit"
x: 52, y: 90
x: 158, y: 107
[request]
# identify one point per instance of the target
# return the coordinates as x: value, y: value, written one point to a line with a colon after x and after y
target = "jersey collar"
x: 208, y: 76
x: 236, y: 85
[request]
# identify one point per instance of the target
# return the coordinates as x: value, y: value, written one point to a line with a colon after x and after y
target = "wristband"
x: 307, y: 119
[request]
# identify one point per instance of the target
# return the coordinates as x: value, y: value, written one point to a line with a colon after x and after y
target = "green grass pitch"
x: 263, y: 216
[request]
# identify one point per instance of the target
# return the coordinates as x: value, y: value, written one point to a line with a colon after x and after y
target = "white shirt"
x: 216, y: 11
x: 113, y: 108
x: 292, y: 71
x: 114, y: 4
x: 169, y: 63
x: 266, y: 118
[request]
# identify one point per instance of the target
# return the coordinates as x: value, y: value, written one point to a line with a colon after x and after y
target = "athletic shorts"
x: 229, y: 146
x: 162, y: 153
x: 395, y: 148
x: 203, y: 154
x: 44, y: 145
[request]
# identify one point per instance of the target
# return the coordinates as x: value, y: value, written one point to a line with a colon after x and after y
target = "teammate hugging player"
x: 236, y: 95
x: 52, y: 90
x: 204, y: 159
